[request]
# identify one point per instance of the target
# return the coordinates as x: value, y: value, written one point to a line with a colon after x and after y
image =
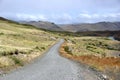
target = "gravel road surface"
x: 51, y: 66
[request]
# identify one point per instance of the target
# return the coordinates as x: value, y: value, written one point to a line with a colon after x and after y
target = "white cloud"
x: 61, y: 18
x: 42, y: 17
x: 30, y: 17
x: 91, y: 16
x: 65, y: 11
x: 113, y: 15
x: 67, y: 18
x: 64, y: 18
x: 57, y: 18
x: 85, y: 15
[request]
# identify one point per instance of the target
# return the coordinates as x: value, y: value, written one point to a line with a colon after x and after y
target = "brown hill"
x: 45, y: 25
x: 101, y: 26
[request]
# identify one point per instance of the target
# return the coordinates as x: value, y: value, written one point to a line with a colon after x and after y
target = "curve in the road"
x: 51, y: 67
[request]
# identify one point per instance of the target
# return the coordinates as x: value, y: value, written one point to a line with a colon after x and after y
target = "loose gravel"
x: 52, y: 66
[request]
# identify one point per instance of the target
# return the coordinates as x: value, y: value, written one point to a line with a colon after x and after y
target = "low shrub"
x: 17, y: 61
x: 66, y: 48
x: 1, y: 33
x: 43, y: 48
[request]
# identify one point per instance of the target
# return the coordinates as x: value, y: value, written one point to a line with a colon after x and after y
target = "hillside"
x: 100, y: 53
x: 21, y: 43
x: 101, y: 26
x: 44, y: 25
x: 1, y: 18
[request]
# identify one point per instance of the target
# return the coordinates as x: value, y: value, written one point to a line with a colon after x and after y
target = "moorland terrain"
x: 96, y: 45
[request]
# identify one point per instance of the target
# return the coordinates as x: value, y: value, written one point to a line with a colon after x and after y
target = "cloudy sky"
x: 61, y: 11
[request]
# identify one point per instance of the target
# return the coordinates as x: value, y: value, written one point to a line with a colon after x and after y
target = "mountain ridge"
x: 79, y: 27
x: 44, y: 25
x: 100, y: 26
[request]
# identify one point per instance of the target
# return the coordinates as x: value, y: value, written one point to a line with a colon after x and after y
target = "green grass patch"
x: 17, y: 61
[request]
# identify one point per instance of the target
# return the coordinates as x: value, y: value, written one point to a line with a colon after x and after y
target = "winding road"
x: 51, y: 66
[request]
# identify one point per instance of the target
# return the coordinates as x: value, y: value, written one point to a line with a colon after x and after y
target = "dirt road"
x: 51, y: 67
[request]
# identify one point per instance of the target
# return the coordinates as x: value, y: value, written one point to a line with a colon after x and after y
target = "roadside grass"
x: 97, y: 46
x: 95, y: 52
x: 22, y: 43
x: 17, y: 61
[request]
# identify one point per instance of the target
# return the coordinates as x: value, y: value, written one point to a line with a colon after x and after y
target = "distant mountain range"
x: 44, y: 25
x: 100, y: 26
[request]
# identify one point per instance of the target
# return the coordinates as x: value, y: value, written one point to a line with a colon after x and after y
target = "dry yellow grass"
x: 21, y: 43
x: 108, y: 65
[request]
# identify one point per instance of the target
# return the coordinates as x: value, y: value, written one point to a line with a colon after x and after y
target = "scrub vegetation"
x: 20, y: 44
x: 101, y: 53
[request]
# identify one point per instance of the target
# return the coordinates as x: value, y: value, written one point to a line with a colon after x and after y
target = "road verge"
x: 68, y: 55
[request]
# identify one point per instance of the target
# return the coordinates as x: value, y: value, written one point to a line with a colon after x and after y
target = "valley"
x: 22, y: 43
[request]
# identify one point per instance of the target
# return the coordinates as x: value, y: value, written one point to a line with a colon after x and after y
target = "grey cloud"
x: 99, y: 17
x: 64, y: 11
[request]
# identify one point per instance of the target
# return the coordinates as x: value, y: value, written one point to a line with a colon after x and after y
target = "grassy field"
x: 100, y: 53
x: 98, y: 46
x: 22, y: 43
x: 19, y: 44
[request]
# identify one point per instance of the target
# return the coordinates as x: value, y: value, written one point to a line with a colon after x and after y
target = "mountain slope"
x: 101, y: 26
x: 21, y: 43
x: 52, y: 67
x: 45, y: 25
x: 1, y: 18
